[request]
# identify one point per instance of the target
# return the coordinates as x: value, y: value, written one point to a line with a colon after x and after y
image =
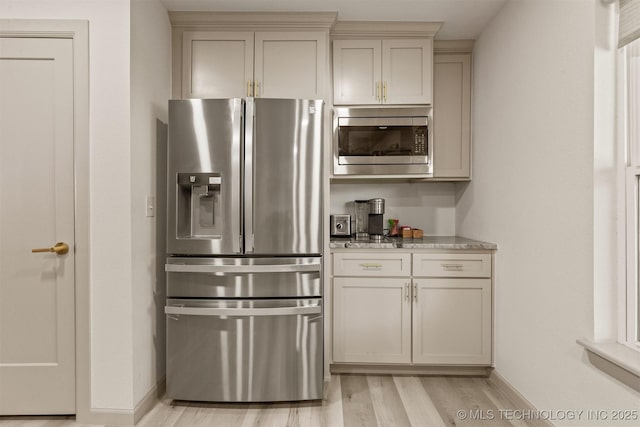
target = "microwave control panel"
x: 419, y: 142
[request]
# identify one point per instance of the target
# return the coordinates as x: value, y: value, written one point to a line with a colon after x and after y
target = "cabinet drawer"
x: 452, y: 265
x: 366, y: 264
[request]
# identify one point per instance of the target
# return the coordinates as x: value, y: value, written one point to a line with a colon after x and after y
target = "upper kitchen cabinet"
x: 383, y: 64
x: 272, y: 55
x: 452, y: 110
x: 357, y: 71
x: 217, y: 64
x: 407, y: 71
x: 382, y: 71
x: 290, y: 64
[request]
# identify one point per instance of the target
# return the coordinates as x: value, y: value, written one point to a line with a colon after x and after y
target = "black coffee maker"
x: 376, y: 223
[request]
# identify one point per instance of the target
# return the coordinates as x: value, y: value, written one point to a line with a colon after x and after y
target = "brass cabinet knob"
x: 59, y: 248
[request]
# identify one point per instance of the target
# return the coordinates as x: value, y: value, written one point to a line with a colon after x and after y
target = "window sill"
x: 616, y: 360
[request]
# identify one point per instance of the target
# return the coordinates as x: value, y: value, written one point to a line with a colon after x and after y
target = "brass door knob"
x: 59, y: 248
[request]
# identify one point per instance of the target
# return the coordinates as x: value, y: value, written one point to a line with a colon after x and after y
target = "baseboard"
x: 149, y: 400
x: 516, y: 398
x: 347, y: 368
x: 124, y: 417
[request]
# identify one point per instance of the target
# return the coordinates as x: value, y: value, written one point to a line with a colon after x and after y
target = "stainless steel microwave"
x: 382, y: 141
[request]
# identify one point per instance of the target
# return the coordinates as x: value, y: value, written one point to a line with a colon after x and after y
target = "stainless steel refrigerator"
x: 244, y: 250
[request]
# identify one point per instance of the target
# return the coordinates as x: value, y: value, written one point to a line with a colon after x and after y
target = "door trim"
x: 78, y: 31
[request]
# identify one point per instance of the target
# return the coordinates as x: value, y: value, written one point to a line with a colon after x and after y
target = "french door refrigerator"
x: 244, y: 250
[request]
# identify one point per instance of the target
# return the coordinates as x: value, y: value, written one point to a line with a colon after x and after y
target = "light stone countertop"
x: 427, y: 242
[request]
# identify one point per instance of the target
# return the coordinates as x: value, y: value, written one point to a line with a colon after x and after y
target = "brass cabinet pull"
x: 59, y: 248
x: 452, y: 267
x: 371, y: 265
x: 256, y: 88
x: 384, y: 92
x: 377, y: 91
x: 248, y: 87
x: 406, y: 291
x: 415, y: 292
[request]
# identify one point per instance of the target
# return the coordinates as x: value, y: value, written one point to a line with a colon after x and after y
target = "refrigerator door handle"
x: 249, y: 156
x: 205, y: 268
x: 236, y: 174
x: 275, y: 311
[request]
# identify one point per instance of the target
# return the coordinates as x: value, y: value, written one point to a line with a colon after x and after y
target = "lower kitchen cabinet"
x: 372, y: 320
x: 437, y: 313
x: 452, y: 321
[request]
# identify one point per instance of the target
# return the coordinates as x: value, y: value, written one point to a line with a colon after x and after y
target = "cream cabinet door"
x: 372, y: 320
x: 452, y: 116
x: 290, y: 64
x: 407, y: 71
x: 452, y: 321
x: 357, y: 68
x: 217, y: 64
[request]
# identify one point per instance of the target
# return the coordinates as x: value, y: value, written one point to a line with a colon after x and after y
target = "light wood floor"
x: 350, y: 400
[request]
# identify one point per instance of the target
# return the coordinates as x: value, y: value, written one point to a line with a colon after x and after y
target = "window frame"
x: 630, y: 138
x: 629, y: 328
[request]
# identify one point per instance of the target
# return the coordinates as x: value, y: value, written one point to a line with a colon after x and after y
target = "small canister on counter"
x: 393, y: 227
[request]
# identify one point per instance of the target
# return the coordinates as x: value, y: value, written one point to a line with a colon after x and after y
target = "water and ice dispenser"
x: 198, y: 207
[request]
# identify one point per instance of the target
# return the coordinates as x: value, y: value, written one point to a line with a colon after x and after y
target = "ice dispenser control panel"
x: 198, y: 205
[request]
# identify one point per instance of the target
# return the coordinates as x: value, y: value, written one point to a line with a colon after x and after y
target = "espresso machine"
x: 375, y: 221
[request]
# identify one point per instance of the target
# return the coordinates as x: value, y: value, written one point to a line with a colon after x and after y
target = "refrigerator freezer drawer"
x: 244, y: 350
x: 244, y: 277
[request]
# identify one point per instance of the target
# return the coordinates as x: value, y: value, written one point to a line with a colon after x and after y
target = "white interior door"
x: 37, y: 325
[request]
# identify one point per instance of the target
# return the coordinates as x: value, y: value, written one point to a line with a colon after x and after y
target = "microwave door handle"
x: 375, y: 121
x: 272, y: 311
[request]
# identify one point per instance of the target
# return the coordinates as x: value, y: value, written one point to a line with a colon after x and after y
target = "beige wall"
x: 150, y: 87
x: 533, y: 194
